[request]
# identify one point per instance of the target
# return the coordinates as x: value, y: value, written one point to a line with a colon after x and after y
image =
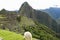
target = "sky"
x: 36, y: 4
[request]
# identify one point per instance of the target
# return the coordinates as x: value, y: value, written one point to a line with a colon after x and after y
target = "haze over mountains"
x: 39, y: 23
x: 54, y: 12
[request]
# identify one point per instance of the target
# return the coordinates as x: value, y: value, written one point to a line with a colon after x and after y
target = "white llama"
x: 27, y: 36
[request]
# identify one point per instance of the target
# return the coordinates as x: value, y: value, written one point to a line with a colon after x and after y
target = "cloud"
x: 36, y: 4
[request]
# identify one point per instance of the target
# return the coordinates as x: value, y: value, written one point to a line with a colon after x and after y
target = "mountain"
x: 37, y: 15
x: 39, y: 23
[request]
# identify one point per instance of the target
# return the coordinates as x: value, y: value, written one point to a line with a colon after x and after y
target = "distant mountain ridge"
x: 54, y: 11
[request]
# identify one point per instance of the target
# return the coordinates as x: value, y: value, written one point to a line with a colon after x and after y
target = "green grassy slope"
x: 6, y: 35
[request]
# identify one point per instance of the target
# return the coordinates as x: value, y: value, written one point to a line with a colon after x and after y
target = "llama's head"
x: 27, y: 36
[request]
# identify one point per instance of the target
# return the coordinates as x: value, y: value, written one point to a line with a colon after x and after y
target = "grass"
x: 7, y: 35
x: 1, y: 17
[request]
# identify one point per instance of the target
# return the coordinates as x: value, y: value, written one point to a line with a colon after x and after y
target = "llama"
x: 27, y: 36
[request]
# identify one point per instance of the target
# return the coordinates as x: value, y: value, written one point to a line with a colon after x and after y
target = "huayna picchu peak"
x: 37, y: 15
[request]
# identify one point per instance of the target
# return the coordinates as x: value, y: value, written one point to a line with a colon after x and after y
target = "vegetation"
x: 38, y: 30
x: 41, y: 32
x: 7, y: 35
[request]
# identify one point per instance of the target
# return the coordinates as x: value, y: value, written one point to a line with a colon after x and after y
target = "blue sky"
x: 36, y: 4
